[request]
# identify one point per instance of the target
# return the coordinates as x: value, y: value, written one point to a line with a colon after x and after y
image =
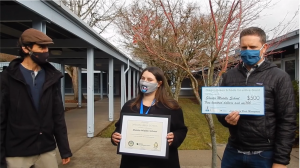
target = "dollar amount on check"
x: 224, y: 100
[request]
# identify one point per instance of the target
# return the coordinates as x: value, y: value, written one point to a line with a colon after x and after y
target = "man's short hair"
x: 254, y: 31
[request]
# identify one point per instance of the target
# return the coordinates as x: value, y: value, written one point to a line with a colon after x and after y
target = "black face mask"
x: 39, y: 58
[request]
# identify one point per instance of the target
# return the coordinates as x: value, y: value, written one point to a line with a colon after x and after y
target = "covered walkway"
x: 75, y: 44
x: 76, y: 122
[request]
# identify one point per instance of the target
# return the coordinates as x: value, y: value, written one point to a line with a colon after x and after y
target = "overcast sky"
x: 282, y: 10
x: 279, y: 11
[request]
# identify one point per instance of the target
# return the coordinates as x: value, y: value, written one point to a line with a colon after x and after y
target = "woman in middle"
x: 152, y: 99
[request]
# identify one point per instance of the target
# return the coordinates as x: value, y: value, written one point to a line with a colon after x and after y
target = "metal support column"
x: 107, y: 86
x: 79, y: 88
x: 39, y: 24
x: 62, y: 83
x: 138, y: 76
x: 90, y: 92
x: 111, y: 90
x: 296, y: 47
x: 133, y: 84
x: 129, y: 84
x: 137, y: 81
x: 128, y: 66
x: 122, y: 86
x: 101, y: 85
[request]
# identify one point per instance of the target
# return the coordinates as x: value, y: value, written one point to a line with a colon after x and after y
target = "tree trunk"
x: 210, y: 75
x: 73, y: 73
x: 177, y: 88
x: 177, y: 82
x: 210, y: 122
x: 75, y: 82
x: 169, y: 89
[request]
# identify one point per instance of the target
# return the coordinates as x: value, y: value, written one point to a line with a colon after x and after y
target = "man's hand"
x: 276, y: 165
x: 170, y: 137
x: 232, y: 118
x: 66, y: 161
x: 116, y: 137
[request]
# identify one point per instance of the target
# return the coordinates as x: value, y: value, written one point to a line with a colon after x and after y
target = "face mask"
x: 39, y: 58
x: 250, y: 57
x: 147, y: 87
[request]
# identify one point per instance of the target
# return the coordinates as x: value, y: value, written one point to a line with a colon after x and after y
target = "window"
x: 290, y: 68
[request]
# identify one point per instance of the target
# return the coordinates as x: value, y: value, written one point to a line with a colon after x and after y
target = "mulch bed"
x: 70, y: 108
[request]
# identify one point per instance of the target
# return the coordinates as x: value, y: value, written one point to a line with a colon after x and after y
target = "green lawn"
x: 198, y: 136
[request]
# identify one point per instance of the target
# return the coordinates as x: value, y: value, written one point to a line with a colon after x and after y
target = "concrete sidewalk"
x: 100, y: 153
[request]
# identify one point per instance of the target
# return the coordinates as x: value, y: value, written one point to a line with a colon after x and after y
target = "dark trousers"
x: 233, y: 159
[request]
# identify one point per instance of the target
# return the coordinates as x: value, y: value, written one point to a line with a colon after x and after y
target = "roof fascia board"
x: 285, y: 43
x: 286, y: 36
x: 58, y: 43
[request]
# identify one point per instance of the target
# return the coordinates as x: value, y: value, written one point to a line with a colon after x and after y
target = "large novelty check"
x: 223, y: 100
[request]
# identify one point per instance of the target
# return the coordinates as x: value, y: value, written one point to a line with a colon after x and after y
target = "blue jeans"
x: 233, y: 159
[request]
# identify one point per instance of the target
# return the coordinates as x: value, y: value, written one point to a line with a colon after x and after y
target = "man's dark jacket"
x: 26, y: 131
x: 276, y: 129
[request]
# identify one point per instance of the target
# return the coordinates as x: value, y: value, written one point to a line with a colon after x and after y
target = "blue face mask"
x: 250, y: 57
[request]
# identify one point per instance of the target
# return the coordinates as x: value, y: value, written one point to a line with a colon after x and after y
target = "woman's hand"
x: 170, y: 137
x: 116, y: 137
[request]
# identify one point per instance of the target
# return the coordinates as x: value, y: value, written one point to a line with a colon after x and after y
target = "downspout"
x: 125, y: 81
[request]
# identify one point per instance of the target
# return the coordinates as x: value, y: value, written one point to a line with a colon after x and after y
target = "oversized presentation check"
x: 144, y: 135
x: 224, y: 100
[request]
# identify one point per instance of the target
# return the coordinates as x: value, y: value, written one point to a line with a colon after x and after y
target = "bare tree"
x: 176, y: 45
x: 149, y: 34
x: 98, y: 14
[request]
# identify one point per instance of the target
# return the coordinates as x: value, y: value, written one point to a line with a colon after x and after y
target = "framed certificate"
x: 144, y: 135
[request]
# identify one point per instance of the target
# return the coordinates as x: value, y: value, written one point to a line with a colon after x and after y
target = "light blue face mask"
x: 251, y: 57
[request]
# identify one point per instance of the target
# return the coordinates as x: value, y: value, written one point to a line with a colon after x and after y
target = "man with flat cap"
x: 32, y: 118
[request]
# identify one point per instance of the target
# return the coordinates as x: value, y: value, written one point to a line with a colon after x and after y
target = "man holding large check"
x: 256, y: 102
x: 151, y: 127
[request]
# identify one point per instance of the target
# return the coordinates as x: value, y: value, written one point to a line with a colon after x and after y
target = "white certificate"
x: 144, y: 135
x: 223, y: 100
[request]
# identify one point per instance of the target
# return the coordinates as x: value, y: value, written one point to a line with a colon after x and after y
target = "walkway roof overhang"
x: 70, y: 34
x: 285, y: 40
